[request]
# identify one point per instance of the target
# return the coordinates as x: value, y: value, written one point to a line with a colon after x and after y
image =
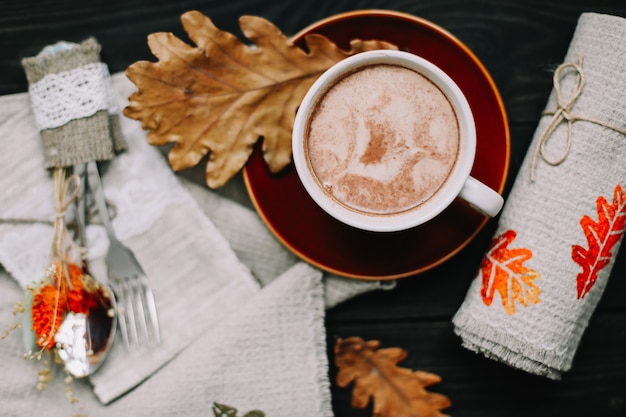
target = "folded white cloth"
x: 564, y: 220
x: 199, y: 267
x: 270, y: 354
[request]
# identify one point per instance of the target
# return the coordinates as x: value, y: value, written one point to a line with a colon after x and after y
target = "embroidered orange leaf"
x: 602, y: 235
x: 220, y: 97
x: 396, y: 391
x: 503, y: 270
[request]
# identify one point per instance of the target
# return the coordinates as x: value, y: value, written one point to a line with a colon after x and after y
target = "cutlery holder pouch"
x: 71, y: 99
x: 560, y: 230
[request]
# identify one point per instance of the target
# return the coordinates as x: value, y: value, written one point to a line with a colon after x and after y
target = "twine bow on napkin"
x: 564, y: 113
x: 563, y: 222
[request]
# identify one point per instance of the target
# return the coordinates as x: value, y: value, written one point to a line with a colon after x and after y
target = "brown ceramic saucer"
x: 321, y: 240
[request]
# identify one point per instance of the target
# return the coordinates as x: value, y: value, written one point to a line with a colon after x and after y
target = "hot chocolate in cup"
x: 385, y: 141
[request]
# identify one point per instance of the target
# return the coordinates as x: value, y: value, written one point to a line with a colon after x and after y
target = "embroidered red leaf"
x: 602, y: 235
x: 396, y: 392
x: 503, y: 270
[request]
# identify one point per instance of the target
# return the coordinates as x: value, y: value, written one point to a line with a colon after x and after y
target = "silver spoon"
x: 84, y: 340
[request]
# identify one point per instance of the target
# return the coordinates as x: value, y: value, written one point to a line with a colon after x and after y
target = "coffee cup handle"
x: 481, y: 197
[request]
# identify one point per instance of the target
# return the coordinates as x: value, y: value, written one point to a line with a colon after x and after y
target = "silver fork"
x: 137, y: 314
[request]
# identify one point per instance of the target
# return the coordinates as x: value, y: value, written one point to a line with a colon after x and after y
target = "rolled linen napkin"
x: 564, y: 219
x: 199, y: 267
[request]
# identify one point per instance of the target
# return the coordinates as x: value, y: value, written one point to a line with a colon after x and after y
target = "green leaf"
x: 223, y: 410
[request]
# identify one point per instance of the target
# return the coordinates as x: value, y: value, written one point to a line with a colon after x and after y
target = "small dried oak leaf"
x: 396, y: 391
x: 220, y: 97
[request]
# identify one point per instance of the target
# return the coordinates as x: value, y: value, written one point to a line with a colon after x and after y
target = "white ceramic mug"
x: 333, y: 197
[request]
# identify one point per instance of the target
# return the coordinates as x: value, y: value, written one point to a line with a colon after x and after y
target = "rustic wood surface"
x: 520, y: 42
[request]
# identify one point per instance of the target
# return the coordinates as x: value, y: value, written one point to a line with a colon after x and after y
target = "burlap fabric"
x: 97, y: 136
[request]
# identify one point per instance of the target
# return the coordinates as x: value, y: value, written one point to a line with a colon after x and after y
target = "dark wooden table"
x: 520, y: 42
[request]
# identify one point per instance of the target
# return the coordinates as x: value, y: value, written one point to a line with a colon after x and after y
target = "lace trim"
x: 59, y: 98
x: 142, y: 187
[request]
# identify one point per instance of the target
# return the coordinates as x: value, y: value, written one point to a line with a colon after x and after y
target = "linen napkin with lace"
x: 192, y: 269
x: 197, y: 277
x: 563, y: 223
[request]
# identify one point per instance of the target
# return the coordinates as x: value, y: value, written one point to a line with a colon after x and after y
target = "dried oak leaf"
x: 396, y: 392
x: 220, y: 97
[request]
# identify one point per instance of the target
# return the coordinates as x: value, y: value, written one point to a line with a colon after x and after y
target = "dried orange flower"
x: 63, y: 290
x: 47, y: 312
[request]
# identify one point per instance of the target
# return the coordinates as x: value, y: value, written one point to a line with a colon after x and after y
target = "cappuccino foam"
x: 383, y: 139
